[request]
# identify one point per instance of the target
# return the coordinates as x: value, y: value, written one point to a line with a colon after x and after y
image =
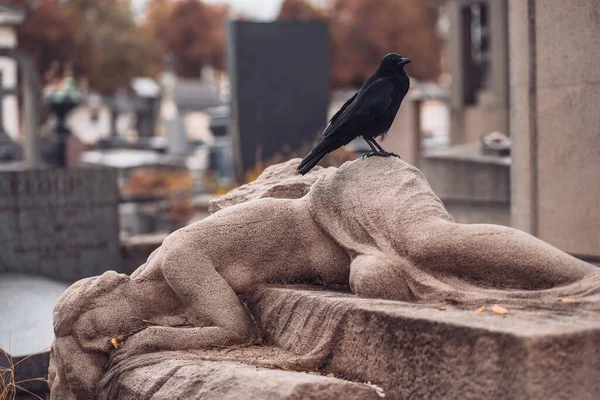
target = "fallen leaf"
x: 568, y: 300
x: 480, y: 309
x: 442, y: 308
x: 499, y: 310
x: 117, y: 342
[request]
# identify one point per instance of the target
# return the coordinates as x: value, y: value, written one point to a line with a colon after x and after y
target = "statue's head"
x: 84, y: 295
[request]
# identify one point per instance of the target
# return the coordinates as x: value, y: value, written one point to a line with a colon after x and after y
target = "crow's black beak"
x: 404, y: 61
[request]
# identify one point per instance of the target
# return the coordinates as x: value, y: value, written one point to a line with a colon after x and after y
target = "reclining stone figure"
x: 373, y: 224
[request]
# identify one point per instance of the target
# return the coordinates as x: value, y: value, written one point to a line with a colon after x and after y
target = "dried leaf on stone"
x: 117, y: 342
x: 568, y: 300
x: 442, y: 308
x: 480, y: 309
x: 499, y: 310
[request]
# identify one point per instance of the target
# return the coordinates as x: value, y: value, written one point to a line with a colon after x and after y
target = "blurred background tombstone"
x: 279, y: 74
x: 169, y: 114
x: 146, y: 95
x: 59, y: 223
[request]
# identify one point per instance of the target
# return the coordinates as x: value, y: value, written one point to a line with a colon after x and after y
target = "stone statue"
x: 373, y: 224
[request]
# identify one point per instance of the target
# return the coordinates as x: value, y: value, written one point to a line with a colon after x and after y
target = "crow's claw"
x: 380, y: 154
x: 371, y: 154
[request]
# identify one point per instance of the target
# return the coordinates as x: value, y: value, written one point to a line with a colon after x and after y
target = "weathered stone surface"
x: 421, y: 351
x: 179, y: 375
x: 567, y: 51
x: 280, y: 181
x: 373, y: 224
x: 567, y: 202
x: 555, y: 87
x: 59, y: 223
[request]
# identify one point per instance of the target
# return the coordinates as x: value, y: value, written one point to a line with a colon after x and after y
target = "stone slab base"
x: 186, y: 375
x: 439, y: 351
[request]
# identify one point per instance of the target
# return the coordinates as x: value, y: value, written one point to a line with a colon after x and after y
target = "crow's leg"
x: 377, y: 150
x: 373, y: 152
x: 374, y: 141
x: 381, y: 150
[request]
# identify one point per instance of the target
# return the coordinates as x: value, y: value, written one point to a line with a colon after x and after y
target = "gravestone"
x: 61, y: 224
x: 279, y: 87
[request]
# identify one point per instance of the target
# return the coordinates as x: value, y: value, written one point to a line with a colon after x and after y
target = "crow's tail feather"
x: 312, y: 158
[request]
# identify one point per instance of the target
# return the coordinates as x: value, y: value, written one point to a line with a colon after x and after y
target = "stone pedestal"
x: 417, y: 351
x: 404, y: 350
x: 217, y: 375
x: 555, y: 92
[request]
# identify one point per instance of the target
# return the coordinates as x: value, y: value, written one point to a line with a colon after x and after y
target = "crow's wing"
x: 368, y: 105
x: 341, y: 110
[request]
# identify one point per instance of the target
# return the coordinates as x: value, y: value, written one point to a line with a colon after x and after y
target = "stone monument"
x: 279, y: 75
x: 372, y: 228
x: 59, y: 223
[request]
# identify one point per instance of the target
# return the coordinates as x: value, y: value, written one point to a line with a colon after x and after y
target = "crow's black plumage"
x: 369, y: 113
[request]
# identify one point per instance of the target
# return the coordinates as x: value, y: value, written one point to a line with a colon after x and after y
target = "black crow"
x: 369, y: 113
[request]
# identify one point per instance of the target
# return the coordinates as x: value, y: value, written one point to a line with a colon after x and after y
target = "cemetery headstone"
x: 279, y: 75
x: 59, y: 223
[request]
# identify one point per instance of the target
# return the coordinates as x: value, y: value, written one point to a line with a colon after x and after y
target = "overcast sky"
x: 259, y: 9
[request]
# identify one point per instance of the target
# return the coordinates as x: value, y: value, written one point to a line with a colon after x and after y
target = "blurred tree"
x: 109, y: 46
x: 299, y: 10
x: 363, y: 31
x: 154, y: 27
x: 192, y: 31
x: 98, y: 40
x: 47, y: 35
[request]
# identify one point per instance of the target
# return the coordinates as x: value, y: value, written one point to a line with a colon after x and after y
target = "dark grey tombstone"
x: 279, y: 75
x: 59, y: 223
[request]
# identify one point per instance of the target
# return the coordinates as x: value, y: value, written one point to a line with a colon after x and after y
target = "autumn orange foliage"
x: 174, y: 187
x: 363, y: 31
x: 103, y: 42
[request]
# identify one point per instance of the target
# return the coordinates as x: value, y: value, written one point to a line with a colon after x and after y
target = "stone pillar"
x: 456, y: 59
x: 499, y: 26
x: 31, y: 137
x: 555, y: 122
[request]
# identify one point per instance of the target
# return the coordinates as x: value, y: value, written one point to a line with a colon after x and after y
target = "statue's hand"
x: 143, y: 342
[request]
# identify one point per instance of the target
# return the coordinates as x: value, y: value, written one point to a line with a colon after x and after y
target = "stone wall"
x: 59, y: 223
